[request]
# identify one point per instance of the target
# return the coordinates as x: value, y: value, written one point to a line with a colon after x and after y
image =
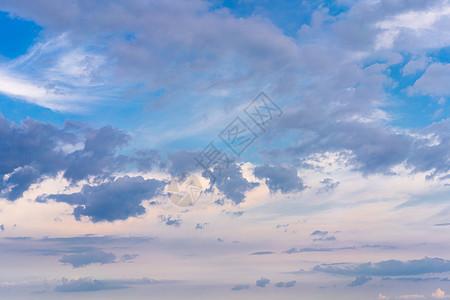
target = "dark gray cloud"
x: 360, y: 280
x: 87, y: 258
x: 117, y: 199
x: 262, y: 282
x: 278, y: 178
x: 240, y: 287
x: 286, y: 284
x: 388, y: 268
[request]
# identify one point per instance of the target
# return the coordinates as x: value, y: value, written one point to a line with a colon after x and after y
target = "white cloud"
x: 415, y: 65
x: 440, y: 294
x: 418, y: 22
x: 434, y: 81
x: 412, y: 296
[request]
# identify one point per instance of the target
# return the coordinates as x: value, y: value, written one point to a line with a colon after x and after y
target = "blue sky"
x: 326, y: 123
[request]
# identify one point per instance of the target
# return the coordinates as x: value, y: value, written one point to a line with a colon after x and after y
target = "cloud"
x: 87, y: 258
x: 200, y: 226
x: 295, y: 250
x: 285, y: 284
x: 413, y: 66
x: 329, y: 185
x: 91, y: 285
x: 439, y: 294
x: 23, y: 167
x: 433, y: 81
x: 232, y: 183
x: 388, y: 268
x: 262, y: 253
x: 262, y: 282
x: 240, y: 287
x: 169, y: 221
x: 76, y: 150
x: 117, y: 199
x: 278, y: 178
x: 323, y: 236
x: 98, y: 154
x: 411, y: 296
x: 155, y: 42
x: 360, y: 280
x: 128, y: 257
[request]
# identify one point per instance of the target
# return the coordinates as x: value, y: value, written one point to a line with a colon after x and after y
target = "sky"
x: 224, y: 149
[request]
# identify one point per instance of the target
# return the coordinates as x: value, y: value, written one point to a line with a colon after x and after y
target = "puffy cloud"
x: 262, y: 282
x: 113, y: 200
x: 170, y: 221
x: 322, y: 236
x: 279, y: 178
x: 20, y: 167
x: 98, y: 155
x: 56, y: 150
x: 439, y: 294
x: 87, y: 258
x: 232, y: 183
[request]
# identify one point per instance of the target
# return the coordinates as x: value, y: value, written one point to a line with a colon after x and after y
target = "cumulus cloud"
x: 170, y: 221
x: 113, y: 200
x: 279, y: 178
x: 262, y: 282
x: 440, y: 294
x: 232, y: 183
x: 322, y: 236
x: 91, y: 257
